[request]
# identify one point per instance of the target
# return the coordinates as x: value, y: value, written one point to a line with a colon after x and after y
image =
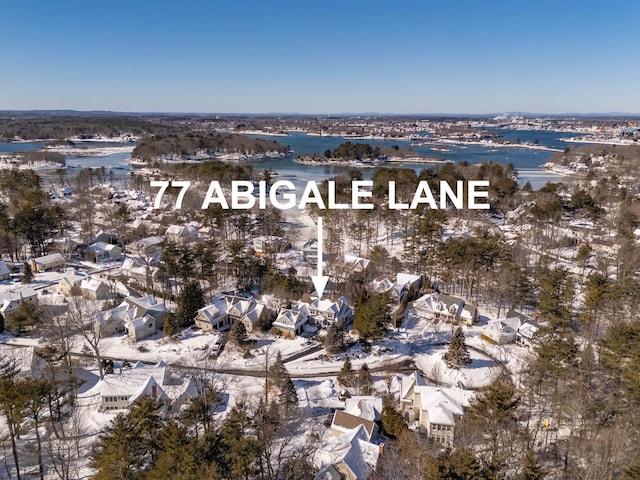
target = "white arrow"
x: 319, y: 281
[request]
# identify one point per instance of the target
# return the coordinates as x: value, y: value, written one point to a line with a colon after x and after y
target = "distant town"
x: 504, y: 339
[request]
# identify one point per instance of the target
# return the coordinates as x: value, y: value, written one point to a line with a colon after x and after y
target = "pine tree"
x: 334, y: 340
x: 119, y: 453
x: 288, y: 394
x: 23, y: 318
x: 191, y: 300
x: 371, y: 315
x: 345, y: 377
x: 278, y: 373
x: 531, y: 469
x: 27, y: 275
x: 238, y: 333
x: 364, y: 380
x: 170, y: 325
x: 458, y: 354
x: 392, y: 421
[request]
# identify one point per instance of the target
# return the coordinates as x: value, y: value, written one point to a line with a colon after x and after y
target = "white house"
x: 350, y: 456
x: 324, y: 312
x: 181, y: 234
x: 25, y: 360
x: 147, y: 304
x: 225, y: 309
x: 138, y: 317
x: 120, y: 390
x: 11, y: 300
x: 435, y: 410
x: 291, y: 321
x: 106, y: 252
x: 141, y: 327
x: 500, y: 332
x: 439, y: 306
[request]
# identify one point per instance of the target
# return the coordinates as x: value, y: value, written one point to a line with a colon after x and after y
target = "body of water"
x: 526, y: 161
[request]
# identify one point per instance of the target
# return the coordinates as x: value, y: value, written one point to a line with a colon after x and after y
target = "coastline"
x: 371, y: 164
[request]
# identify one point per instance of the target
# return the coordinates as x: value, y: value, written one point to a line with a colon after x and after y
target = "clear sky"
x: 464, y: 56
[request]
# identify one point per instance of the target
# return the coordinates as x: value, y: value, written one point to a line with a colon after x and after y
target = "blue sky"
x: 321, y: 57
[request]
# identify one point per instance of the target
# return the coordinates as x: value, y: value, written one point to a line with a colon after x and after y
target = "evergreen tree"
x: 345, y: 377
x: 119, y: 454
x: 531, y: 469
x: 170, y: 325
x: 334, y: 340
x: 191, y: 300
x: 371, y: 315
x: 364, y: 380
x: 23, y: 318
x: 288, y: 394
x: 458, y: 354
x: 458, y: 464
x: 238, y: 333
x: 392, y: 421
x: 27, y: 275
x: 278, y: 373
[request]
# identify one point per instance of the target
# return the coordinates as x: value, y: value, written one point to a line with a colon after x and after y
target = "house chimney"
x: 154, y: 390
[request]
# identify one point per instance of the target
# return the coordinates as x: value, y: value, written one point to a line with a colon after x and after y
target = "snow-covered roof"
x: 22, y: 358
x: 91, y: 284
x: 134, y: 382
x: 102, y: 247
x: 367, y: 407
x: 352, y: 452
x: 442, y: 404
x: 4, y: 268
x: 51, y: 258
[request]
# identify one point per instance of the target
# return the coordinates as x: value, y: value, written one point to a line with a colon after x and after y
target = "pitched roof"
x: 343, y: 422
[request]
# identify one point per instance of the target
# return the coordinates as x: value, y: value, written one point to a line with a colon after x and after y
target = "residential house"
x: 139, y: 269
x: 5, y: 272
x: 351, y: 456
x: 45, y: 263
x: 147, y: 305
x: 141, y: 327
x: 181, y: 234
x: 400, y: 287
x: 70, y: 284
x: 94, y: 289
x: 226, y: 309
x: 343, y: 422
x: 120, y: 390
x: 139, y: 318
x: 25, y: 360
x: 500, y: 332
x: 148, y: 247
x: 324, y: 312
x: 291, y: 321
x: 447, y: 308
x: 526, y: 328
x: 11, y: 300
x: 435, y: 410
x: 105, y: 252
x: 364, y: 406
x: 270, y: 244
x: 310, y: 251
x: 349, y: 263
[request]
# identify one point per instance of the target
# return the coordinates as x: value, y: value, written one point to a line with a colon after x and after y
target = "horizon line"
x: 330, y: 114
